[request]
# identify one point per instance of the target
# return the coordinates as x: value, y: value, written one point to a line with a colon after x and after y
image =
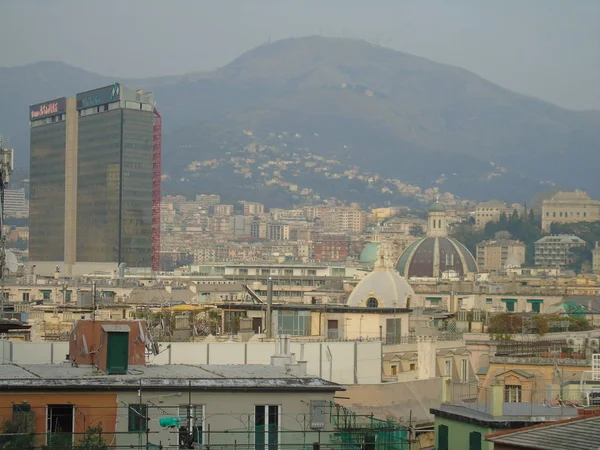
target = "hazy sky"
x: 545, y: 48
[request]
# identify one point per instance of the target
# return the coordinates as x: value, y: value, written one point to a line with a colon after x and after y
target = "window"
x: 266, y: 427
x: 413, y: 366
x: 442, y: 437
x: 137, y: 418
x: 196, y: 420
x: 448, y: 371
x: 59, y: 425
x: 464, y: 370
x: 372, y: 302
x: 394, y: 370
x: 512, y: 393
x: 393, y: 330
x: 46, y: 295
x: 26, y: 297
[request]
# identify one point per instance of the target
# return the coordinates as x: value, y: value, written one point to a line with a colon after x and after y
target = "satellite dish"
x: 11, y: 261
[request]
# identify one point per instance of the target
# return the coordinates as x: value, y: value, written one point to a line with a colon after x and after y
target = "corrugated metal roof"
x: 579, y: 433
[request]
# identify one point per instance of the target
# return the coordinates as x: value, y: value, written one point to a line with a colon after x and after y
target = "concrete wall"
x: 350, y: 362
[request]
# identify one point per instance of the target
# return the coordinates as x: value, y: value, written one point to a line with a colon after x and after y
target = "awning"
x: 434, y: 299
x: 531, y: 300
x: 509, y: 300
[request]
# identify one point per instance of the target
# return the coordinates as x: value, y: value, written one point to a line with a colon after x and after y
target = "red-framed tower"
x: 156, y: 190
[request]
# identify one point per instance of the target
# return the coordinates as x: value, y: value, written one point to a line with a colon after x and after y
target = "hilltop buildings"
x: 569, y: 207
x: 92, y: 181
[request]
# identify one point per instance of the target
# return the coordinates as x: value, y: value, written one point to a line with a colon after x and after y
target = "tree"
x: 92, y: 440
x: 416, y: 230
x: 531, y: 215
x: 17, y: 434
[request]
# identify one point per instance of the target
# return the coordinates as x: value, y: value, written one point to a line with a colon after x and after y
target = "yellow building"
x: 569, y: 207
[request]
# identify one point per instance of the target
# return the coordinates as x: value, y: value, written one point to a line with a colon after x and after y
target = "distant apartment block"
x: 569, y: 207
x: 345, y: 220
x: 499, y: 254
x: 15, y: 204
x: 251, y: 208
x: 278, y: 232
x: 331, y: 247
x: 490, y: 212
x: 223, y: 210
x: 555, y: 251
x: 207, y: 200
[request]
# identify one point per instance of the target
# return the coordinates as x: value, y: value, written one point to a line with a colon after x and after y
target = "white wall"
x: 350, y: 363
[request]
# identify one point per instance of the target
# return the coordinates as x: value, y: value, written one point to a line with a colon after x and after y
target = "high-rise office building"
x: 93, y: 181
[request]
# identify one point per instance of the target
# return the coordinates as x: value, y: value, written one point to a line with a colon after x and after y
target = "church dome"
x: 430, y: 257
x: 382, y: 288
x: 437, y: 253
x: 437, y: 207
x: 369, y: 253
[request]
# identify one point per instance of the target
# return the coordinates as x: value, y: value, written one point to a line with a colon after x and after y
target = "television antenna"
x: 6, y: 168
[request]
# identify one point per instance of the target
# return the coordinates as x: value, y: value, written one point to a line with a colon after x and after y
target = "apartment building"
x: 331, y: 247
x: 344, y: 220
x: 551, y: 251
x: 223, y: 210
x: 251, y: 208
x: 569, y: 207
x: 15, y: 204
x: 278, y: 232
x: 497, y: 254
x: 490, y: 212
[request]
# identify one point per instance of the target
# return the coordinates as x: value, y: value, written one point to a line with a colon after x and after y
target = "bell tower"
x: 436, y: 224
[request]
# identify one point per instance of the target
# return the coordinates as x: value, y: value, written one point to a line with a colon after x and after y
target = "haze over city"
x: 326, y: 225
x: 548, y: 49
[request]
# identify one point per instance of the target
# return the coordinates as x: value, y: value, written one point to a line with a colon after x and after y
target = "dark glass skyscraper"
x: 105, y: 189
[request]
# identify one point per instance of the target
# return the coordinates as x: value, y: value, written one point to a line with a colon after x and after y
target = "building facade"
x: 569, y: 207
x: 15, y: 204
x: 490, y: 212
x: 498, y: 254
x: 553, y: 251
x: 94, y: 209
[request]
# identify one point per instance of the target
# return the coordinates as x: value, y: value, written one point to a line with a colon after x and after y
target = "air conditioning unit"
x: 593, y: 343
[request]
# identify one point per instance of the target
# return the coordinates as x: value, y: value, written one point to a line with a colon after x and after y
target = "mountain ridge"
x: 396, y: 115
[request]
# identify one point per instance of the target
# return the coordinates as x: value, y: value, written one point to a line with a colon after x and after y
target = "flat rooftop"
x: 175, y: 376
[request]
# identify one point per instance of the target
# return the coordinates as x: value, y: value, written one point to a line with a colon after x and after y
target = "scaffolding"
x: 156, y: 189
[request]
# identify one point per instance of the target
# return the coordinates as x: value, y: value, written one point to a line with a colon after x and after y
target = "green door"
x: 474, y: 441
x: 442, y: 437
x: 117, y: 354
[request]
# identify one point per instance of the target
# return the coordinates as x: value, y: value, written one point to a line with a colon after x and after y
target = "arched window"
x: 372, y: 303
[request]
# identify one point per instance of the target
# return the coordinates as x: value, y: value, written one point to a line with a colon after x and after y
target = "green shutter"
x: 434, y: 299
x: 489, y: 300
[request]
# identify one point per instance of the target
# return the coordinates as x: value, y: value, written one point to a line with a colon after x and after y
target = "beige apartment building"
x: 569, y: 207
x: 340, y: 220
x: 251, y: 208
x: 223, y: 210
x: 554, y: 251
x: 497, y: 254
x: 490, y: 212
